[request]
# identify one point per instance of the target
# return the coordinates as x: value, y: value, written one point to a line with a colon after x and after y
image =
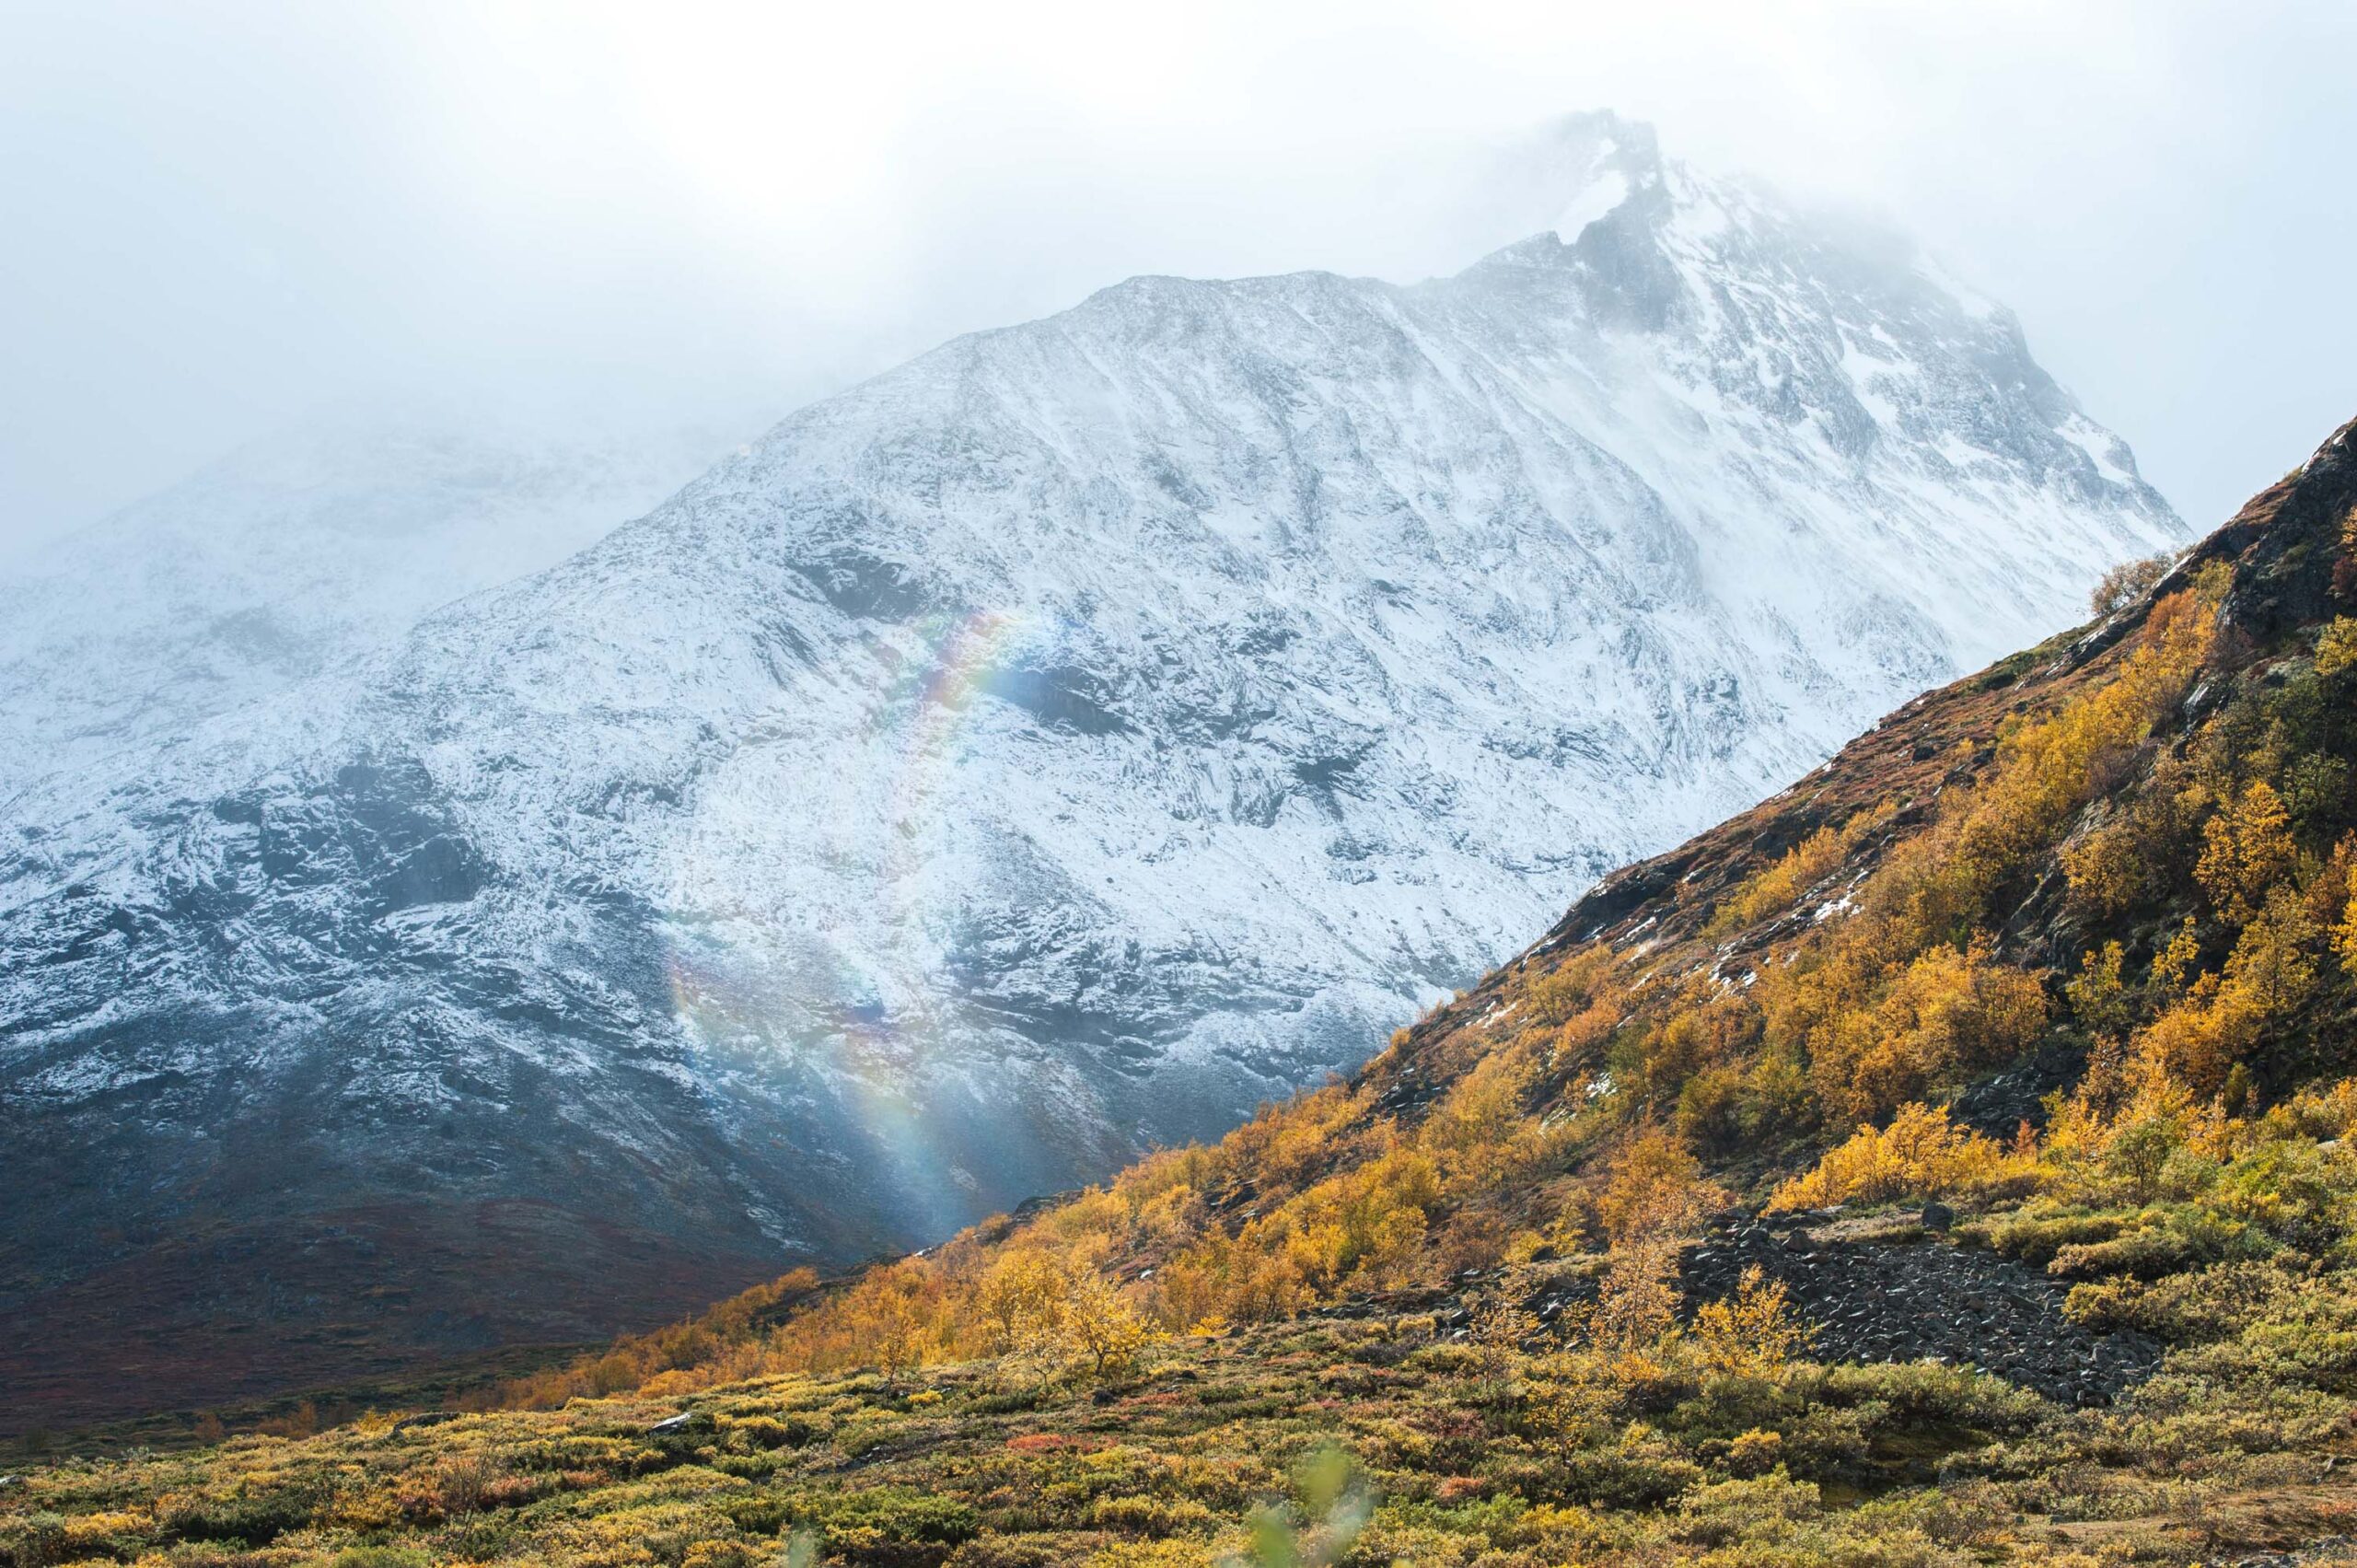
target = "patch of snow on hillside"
x: 2098, y: 444
x: 1606, y: 190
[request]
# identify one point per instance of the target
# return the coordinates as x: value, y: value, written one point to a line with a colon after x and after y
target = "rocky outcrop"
x: 1872, y: 1293
x: 1917, y: 1297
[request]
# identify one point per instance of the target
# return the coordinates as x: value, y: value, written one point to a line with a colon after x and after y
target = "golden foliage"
x: 1569, y: 988
x: 1285, y: 1143
x: 1484, y: 1108
x: 1361, y: 1225
x: 1753, y: 1334
x: 1092, y: 1322
x: 2135, y: 855
x: 1773, y: 889
x: 1945, y: 1011
x: 2245, y: 850
x: 1636, y: 1307
x: 1018, y: 1294
x: 2336, y: 648
x: 2222, y: 1017
x: 2175, y: 965
x: 2344, y: 936
x: 2098, y: 996
x: 1801, y: 868
x: 1654, y: 1190
x: 1920, y: 1154
x: 1937, y: 885
x: 2272, y: 958
x: 715, y: 1344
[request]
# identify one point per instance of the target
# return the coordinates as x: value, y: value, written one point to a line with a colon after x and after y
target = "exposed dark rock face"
x: 2340, y: 1548
x: 1878, y: 1300
x: 1999, y: 1104
x: 1869, y: 1298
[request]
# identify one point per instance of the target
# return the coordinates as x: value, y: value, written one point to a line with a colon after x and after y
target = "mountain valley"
x: 1047, y: 750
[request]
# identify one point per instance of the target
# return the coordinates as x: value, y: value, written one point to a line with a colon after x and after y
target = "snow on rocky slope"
x: 287, y: 559
x: 1051, y: 745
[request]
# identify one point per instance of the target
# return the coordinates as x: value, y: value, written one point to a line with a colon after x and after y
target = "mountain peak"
x: 1599, y: 161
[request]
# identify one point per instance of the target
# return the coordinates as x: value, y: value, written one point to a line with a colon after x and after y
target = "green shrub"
x: 1728, y: 1511
x: 1010, y: 1552
x: 1926, y: 1393
x: 2035, y: 1232
x: 891, y: 1525
x: 34, y: 1541
x: 2189, y: 1236
x: 1135, y: 1514
x: 2198, y: 1307
x: 1643, y: 1470
x: 255, y: 1512
x: 2311, y: 1338
x: 2293, y: 1193
x: 378, y: 1557
x: 769, y: 1431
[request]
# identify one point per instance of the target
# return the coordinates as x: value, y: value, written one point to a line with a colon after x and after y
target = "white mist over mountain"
x: 222, y: 217
x: 290, y: 558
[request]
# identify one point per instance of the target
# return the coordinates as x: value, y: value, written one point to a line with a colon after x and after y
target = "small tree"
x: 890, y: 1320
x: 1054, y: 1314
x: 1753, y: 1334
x: 2140, y: 1153
x: 1654, y: 1189
x: 1636, y: 1307
x: 1018, y: 1299
x: 1500, y: 1327
x: 2245, y: 849
x: 1099, y: 1326
x: 2126, y: 583
x: 2099, y: 996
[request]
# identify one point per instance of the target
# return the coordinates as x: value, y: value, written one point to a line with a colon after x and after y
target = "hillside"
x: 1507, y: 1297
x: 1048, y: 750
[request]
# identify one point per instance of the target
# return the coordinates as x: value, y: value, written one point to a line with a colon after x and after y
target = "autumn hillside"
x: 1946, y: 1161
x: 2119, y: 863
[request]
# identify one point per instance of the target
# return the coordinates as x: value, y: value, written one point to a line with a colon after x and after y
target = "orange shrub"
x: 1944, y: 1013
x: 1801, y: 868
x: 2245, y: 849
x: 1920, y: 1154
x: 1654, y: 1188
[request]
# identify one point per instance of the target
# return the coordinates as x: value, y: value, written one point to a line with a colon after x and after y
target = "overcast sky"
x: 219, y: 216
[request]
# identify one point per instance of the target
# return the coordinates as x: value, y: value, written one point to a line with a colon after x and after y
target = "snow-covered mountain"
x: 288, y: 559
x: 1052, y: 746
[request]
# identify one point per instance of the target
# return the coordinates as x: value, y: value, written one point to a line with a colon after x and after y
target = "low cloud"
x: 222, y: 218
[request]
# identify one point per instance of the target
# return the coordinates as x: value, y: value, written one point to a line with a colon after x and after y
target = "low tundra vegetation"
x: 1628, y: 1431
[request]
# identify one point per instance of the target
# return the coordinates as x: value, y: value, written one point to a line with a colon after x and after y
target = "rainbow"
x: 854, y: 1014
